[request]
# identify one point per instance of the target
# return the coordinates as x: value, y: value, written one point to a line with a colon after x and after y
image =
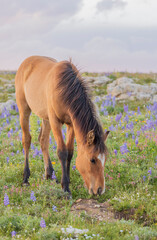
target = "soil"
x: 100, y: 211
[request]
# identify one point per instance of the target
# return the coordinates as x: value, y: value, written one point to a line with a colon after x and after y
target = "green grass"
x: 130, y: 185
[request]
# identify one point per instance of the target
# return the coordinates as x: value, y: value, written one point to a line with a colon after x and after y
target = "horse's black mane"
x: 74, y: 92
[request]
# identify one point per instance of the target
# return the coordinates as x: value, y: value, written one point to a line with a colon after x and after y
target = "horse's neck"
x: 78, y: 135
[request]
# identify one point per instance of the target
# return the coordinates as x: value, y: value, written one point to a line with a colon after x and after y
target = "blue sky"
x: 99, y: 35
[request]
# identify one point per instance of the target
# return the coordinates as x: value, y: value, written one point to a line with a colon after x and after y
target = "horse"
x: 57, y: 93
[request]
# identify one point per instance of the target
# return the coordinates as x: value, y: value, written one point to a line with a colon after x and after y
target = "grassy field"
x: 42, y: 211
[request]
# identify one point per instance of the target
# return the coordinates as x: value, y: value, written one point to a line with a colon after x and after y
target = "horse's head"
x: 91, y: 164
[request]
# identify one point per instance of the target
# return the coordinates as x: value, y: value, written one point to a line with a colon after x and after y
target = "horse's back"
x: 31, y: 82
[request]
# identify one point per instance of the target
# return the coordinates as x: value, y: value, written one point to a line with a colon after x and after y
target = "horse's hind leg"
x: 44, y: 142
x: 70, y: 147
x: 26, y: 138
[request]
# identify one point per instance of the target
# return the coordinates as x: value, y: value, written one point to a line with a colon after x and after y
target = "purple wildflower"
x: 74, y: 167
x: 7, y: 159
x: 7, y: 120
x: 118, y: 117
x: 53, y: 175
x: 6, y: 199
x: 138, y: 133
x: 42, y: 223
x: 124, y: 148
x: 111, y: 128
x: 126, y: 135
x: 36, y: 153
x: 136, y: 237
x: 138, y: 111
x: 114, y: 101
x: 129, y: 94
x: 125, y: 108
x: 136, y: 141
x: 144, y: 178
x: 133, y: 136
x: 150, y: 171
x: 115, y: 152
x: 126, y: 119
x: 32, y: 197
x: 54, y: 208
x: 13, y: 234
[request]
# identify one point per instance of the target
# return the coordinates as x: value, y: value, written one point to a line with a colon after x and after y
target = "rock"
x: 124, y: 80
x: 96, y: 81
x: 125, y: 88
x: 7, y: 105
x: 154, y: 98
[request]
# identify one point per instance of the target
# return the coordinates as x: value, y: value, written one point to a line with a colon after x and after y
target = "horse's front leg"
x: 70, y: 147
x: 62, y: 151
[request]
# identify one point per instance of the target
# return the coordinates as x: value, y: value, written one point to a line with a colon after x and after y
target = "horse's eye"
x: 93, y: 161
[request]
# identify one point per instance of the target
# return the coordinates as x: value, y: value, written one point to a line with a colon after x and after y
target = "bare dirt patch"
x: 100, y: 211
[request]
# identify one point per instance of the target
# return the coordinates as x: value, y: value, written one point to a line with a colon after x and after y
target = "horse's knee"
x: 26, y: 141
x: 62, y: 154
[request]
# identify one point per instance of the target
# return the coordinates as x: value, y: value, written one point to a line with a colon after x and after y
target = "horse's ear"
x: 90, y: 137
x: 106, y: 135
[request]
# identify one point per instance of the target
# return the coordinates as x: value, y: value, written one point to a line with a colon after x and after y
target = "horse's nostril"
x: 99, y: 190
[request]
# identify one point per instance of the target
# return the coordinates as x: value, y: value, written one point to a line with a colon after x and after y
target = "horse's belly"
x: 36, y: 100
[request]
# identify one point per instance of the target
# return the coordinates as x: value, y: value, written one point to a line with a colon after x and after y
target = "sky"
x: 99, y: 35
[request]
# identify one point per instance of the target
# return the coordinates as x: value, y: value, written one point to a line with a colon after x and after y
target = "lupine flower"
x: 115, y: 151
x: 138, y: 111
x: 136, y: 237
x: 124, y: 148
x: 126, y: 135
x: 6, y: 199
x: 126, y: 119
x: 53, y: 175
x: 54, y: 208
x: 129, y: 94
x: 133, y: 136
x: 125, y: 108
x: 42, y: 223
x: 118, y: 117
x: 136, y: 141
x: 32, y: 197
x: 13, y: 234
x: 111, y: 128
x: 114, y: 101
x: 144, y: 178
x: 7, y: 159
x: 7, y: 120
x: 73, y: 167
x: 150, y: 171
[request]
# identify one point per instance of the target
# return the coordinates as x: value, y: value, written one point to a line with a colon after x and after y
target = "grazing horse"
x: 56, y: 92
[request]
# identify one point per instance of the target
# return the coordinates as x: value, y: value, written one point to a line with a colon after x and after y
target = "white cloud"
x: 105, y: 5
x: 123, y: 37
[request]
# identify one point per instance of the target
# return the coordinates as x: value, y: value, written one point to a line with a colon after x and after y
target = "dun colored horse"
x: 55, y: 92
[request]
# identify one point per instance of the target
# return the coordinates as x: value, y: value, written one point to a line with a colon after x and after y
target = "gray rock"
x: 96, y: 81
x: 126, y: 88
x: 124, y: 80
x: 154, y: 98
